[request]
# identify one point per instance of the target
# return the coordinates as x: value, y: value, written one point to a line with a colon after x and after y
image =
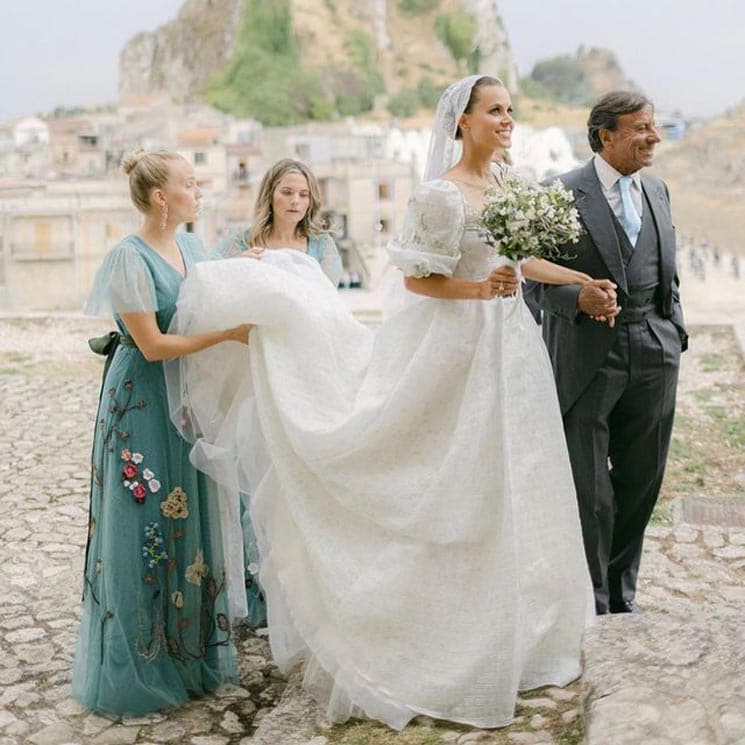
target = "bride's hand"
x: 254, y: 252
x: 239, y: 333
x: 502, y: 282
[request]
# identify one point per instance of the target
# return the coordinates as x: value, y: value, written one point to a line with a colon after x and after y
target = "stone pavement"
x: 674, y: 675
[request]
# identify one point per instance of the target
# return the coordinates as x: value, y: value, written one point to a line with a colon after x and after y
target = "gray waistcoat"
x: 642, y: 262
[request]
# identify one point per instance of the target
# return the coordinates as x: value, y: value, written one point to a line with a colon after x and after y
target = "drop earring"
x: 163, y: 216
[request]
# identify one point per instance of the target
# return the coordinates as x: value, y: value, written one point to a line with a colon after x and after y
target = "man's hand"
x: 598, y: 300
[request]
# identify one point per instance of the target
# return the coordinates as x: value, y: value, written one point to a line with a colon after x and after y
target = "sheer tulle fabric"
x: 412, y: 496
x: 321, y: 247
x: 151, y: 635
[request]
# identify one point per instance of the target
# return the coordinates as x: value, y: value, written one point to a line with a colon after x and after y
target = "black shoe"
x: 627, y: 606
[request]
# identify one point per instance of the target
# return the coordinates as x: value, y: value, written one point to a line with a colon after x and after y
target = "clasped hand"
x: 502, y: 282
x: 598, y: 299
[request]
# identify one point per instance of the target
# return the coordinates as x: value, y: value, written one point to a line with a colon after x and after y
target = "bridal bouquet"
x: 526, y: 220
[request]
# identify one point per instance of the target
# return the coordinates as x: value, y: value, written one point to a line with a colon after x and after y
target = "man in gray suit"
x: 616, y: 352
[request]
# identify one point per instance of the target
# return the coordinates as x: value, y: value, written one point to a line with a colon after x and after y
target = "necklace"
x: 487, y: 184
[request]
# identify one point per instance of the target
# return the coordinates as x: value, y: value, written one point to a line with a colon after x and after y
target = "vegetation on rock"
x: 575, y: 79
x: 265, y: 79
x: 456, y: 31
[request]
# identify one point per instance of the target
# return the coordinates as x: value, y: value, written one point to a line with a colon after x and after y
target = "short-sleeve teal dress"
x: 154, y: 629
x: 321, y: 247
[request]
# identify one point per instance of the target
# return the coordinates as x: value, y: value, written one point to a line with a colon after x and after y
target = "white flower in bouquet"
x: 526, y: 220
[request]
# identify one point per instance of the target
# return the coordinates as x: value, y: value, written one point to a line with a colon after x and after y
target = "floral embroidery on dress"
x: 197, y: 571
x: 131, y: 475
x: 152, y: 549
x: 119, y: 409
x: 174, y: 505
x: 177, y: 598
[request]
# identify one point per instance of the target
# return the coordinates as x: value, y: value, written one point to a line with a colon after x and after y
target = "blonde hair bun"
x: 131, y: 159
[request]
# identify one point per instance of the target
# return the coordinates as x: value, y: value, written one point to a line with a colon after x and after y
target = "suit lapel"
x: 661, y: 214
x: 596, y: 216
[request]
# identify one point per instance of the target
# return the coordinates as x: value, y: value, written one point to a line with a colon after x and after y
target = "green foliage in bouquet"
x: 526, y: 220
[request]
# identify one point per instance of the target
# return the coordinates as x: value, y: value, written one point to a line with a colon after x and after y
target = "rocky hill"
x: 706, y: 174
x: 336, y: 56
x: 579, y: 78
x: 180, y: 58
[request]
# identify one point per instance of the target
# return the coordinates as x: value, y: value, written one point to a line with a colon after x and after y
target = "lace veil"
x: 451, y: 105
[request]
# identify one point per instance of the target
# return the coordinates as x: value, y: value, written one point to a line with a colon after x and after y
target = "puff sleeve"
x: 123, y: 284
x: 429, y: 242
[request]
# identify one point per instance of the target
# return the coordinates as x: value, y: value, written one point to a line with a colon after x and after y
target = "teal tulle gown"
x: 155, y: 628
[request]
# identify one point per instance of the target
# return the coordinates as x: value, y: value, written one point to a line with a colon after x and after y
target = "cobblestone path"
x: 673, y: 675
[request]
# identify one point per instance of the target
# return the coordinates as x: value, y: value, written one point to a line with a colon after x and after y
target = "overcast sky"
x: 687, y: 54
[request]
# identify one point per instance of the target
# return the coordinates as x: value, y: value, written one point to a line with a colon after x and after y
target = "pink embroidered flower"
x: 126, y: 455
x: 139, y: 492
x: 147, y: 474
x: 153, y: 485
x: 129, y: 470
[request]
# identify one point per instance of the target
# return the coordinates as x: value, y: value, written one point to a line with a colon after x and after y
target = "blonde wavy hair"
x: 311, y: 224
x: 147, y: 171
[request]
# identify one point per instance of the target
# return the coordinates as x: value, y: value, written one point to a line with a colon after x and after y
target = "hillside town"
x: 64, y: 200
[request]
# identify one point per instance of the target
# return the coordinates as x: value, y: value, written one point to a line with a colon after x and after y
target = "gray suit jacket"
x: 578, y: 346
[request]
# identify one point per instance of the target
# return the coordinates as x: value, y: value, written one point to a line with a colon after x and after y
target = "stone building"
x: 53, y: 236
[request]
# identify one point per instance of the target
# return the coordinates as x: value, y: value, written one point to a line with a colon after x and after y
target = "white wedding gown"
x: 411, y: 491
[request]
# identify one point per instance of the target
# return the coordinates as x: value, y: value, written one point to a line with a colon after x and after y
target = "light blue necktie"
x: 630, y: 220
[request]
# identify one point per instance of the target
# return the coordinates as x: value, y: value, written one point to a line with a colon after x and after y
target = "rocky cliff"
x: 387, y: 47
x: 577, y: 79
x: 180, y: 58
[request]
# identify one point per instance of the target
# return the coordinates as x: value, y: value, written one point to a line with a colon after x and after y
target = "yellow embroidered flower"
x: 197, y: 571
x: 174, y: 505
x: 177, y: 598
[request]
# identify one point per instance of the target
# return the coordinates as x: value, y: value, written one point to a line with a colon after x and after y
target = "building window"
x: 302, y: 150
x: 323, y: 187
x: 384, y: 191
x: 383, y: 226
x: 242, y: 173
x: 200, y: 159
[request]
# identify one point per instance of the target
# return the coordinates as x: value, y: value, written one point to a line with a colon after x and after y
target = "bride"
x: 411, y: 492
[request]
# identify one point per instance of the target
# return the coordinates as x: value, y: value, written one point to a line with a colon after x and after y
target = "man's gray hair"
x: 606, y: 111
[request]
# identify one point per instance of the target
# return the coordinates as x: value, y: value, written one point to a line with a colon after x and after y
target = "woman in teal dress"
x: 155, y: 628
x: 286, y: 215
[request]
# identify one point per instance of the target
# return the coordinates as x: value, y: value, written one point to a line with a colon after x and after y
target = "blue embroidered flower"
x: 152, y: 549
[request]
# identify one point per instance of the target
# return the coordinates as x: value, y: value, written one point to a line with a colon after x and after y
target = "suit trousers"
x: 618, y: 434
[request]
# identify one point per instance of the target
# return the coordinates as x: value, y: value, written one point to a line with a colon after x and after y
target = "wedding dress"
x: 410, y: 488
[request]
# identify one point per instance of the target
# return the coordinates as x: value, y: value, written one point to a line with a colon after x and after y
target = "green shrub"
x: 404, y: 103
x: 415, y: 7
x: 428, y: 93
x: 456, y: 31
x: 563, y: 78
x: 533, y: 89
x: 264, y: 79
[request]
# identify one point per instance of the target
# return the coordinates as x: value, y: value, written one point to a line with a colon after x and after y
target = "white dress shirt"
x: 609, y: 176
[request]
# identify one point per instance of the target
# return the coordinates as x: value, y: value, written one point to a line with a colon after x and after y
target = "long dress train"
x: 412, y: 495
